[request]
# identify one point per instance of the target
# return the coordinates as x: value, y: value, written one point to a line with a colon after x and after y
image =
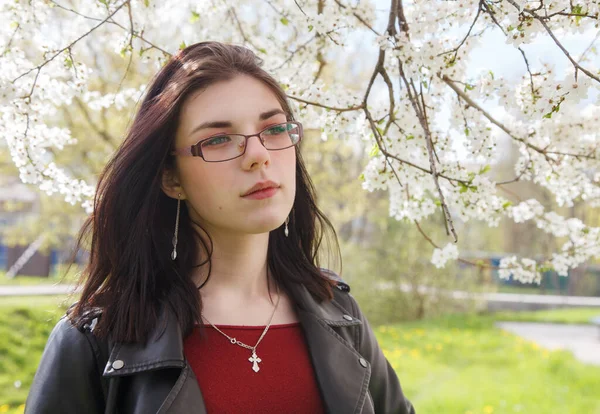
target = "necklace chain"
x: 254, y: 359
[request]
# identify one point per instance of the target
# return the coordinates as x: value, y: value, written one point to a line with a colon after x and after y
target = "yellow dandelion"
x: 535, y: 346
x: 415, y: 353
x: 545, y: 354
x: 438, y: 347
x: 4, y: 408
x: 488, y: 409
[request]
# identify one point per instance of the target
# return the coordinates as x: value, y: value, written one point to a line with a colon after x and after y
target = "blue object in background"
x: 3, y: 257
x: 54, y: 256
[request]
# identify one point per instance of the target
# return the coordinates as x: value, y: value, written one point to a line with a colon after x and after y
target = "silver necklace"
x: 254, y: 359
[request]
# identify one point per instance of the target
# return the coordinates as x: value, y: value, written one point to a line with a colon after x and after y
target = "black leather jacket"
x: 80, y: 374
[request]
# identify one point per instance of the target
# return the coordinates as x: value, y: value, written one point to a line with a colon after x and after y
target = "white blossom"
x: 52, y: 59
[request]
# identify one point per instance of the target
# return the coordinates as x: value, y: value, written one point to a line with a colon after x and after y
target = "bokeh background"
x: 461, y: 338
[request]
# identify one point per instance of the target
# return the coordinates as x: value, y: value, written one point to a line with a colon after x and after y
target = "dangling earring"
x: 286, y: 231
x: 174, y: 252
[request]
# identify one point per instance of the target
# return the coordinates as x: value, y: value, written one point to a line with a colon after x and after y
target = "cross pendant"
x: 255, y: 360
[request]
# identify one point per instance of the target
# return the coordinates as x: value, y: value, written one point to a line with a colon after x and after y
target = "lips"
x: 261, y: 186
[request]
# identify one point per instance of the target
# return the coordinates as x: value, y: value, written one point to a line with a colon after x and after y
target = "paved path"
x: 36, y: 290
x: 508, y: 301
x: 582, y: 340
x: 490, y: 298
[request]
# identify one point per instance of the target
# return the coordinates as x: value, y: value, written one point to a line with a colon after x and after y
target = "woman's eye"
x: 221, y: 139
x: 278, y: 129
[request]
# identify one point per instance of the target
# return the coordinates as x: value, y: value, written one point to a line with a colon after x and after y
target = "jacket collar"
x: 340, y: 375
x: 164, y: 349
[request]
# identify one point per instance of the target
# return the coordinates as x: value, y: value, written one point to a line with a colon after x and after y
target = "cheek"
x: 206, y: 185
x: 289, y: 170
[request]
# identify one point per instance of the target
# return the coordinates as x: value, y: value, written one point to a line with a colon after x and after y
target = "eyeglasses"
x: 225, y: 147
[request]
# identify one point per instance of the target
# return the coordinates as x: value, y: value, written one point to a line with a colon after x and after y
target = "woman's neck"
x: 238, y: 266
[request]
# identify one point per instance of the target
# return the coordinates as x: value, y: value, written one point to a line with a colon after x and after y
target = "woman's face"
x: 215, y: 191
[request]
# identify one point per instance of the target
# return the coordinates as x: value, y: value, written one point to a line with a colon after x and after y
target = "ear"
x: 170, y: 184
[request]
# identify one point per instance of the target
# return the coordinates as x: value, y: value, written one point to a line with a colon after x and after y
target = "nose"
x: 256, y: 154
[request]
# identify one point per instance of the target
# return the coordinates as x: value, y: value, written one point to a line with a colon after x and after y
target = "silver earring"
x: 286, y: 231
x: 174, y: 252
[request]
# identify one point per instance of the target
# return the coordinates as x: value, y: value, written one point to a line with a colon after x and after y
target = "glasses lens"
x: 223, y: 147
x: 281, y: 136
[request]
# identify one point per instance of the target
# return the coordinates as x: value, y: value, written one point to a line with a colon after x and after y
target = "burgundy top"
x: 285, y: 382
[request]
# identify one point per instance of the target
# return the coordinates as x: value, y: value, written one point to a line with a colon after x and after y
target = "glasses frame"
x: 196, y: 149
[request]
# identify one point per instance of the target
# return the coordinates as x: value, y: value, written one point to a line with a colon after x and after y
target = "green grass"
x: 455, y: 364
x: 60, y: 277
x: 463, y: 364
x: 25, y: 323
x: 569, y: 315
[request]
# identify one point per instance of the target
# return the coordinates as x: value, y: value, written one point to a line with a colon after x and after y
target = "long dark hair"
x: 130, y: 275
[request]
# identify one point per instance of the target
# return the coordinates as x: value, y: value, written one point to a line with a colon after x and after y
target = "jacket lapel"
x: 342, y: 378
x: 164, y: 349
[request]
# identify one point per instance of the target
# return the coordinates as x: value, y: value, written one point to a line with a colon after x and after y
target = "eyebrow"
x: 228, y: 124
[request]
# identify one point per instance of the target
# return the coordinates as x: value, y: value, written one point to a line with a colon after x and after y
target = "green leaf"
x: 491, y: 74
x: 485, y: 169
x: 182, y: 45
x: 361, y: 177
x: 195, y: 17
x: 467, y: 132
x: 263, y: 50
x: 147, y: 3
x: 284, y: 21
x: 310, y: 27
x: 507, y: 204
x: 374, y: 151
x: 409, y: 137
x: 68, y: 62
x: 555, y: 108
x: 469, y: 87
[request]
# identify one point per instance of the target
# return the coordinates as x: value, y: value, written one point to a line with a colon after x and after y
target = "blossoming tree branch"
x: 403, y: 82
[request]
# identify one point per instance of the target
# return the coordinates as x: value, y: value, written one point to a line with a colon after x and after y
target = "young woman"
x: 203, y: 293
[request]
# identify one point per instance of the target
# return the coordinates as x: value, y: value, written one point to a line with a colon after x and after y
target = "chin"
x: 264, y: 225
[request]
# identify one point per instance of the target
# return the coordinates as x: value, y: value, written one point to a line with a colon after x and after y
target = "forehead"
x: 238, y: 100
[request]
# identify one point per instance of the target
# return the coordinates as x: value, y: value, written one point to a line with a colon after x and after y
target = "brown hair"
x: 130, y: 274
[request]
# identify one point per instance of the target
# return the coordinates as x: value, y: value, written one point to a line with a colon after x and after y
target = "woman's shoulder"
x: 72, y: 332
x: 341, y: 293
x: 339, y: 282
